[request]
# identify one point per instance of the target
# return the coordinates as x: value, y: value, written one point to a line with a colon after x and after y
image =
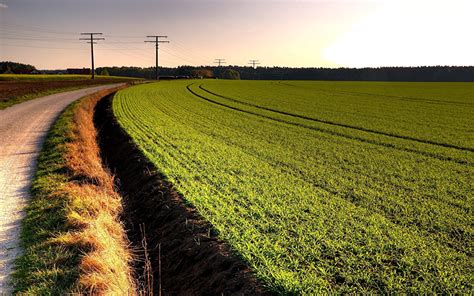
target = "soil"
x: 186, y: 257
x: 12, y: 89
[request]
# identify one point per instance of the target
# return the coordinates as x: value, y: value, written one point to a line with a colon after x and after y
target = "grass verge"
x: 72, y: 239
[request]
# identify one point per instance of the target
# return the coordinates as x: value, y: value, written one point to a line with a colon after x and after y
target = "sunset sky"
x: 303, y: 33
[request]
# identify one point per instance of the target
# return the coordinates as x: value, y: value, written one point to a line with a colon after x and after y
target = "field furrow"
x: 342, y: 125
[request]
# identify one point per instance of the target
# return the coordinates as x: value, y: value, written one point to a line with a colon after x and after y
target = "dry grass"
x: 93, y: 211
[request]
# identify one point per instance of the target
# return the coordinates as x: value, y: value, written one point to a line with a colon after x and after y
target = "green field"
x: 322, y: 186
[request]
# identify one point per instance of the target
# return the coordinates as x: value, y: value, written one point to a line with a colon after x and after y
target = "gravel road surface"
x: 23, y: 128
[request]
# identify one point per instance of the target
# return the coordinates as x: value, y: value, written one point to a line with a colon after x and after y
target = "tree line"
x: 428, y: 74
x: 421, y: 74
x: 15, y: 68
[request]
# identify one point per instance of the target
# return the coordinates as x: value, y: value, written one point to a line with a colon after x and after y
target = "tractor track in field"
x: 445, y: 145
x: 359, y: 94
x: 326, y: 131
x: 346, y: 195
x: 185, y: 255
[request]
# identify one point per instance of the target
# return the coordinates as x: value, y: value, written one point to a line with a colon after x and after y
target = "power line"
x: 127, y: 42
x: 38, y: 39
x: 176, y: 51
x: 123, y: 37
x: 18, y: 34
x: 196, y: 54
x: 180, y: 57
x: 192, y: 59
x: 39, y: 35
x: 92, y: 40
x: 128, y: 52
x: 45, y: 47
x: 219, y: 61
x: 157, y: 42
x: 254, y: 63
x: 37, y: 29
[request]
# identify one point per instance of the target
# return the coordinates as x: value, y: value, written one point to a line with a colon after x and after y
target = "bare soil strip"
x: 185, y: 256
x: 9, y: 89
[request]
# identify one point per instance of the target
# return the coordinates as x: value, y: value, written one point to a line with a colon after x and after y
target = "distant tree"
x: 231, y: 74
x: 104, y: 72
x: 17, y: 68
x: 8, y: 70
x: 202, y: 73
x: 435, y: 73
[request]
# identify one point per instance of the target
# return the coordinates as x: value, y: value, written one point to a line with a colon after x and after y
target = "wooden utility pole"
x: 254, y: 63
x: 92, y: 40
x: 157, y: 42
x: 219, y: 61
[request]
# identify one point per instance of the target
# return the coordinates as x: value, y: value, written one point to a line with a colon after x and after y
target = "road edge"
x: 71, y: 236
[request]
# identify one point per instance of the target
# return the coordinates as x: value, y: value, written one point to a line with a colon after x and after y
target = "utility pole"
x: 92, y: 40
x: 254, y: 63
x: 219, y: 61
x: 157, y: 42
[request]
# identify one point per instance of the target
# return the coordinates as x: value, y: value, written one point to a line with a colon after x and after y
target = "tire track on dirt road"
x: 23, y: 128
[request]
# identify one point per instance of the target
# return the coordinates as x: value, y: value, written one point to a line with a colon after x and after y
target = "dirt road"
x: 23, y: 128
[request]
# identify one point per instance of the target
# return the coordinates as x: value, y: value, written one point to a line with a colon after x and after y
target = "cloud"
x: 3, y: 6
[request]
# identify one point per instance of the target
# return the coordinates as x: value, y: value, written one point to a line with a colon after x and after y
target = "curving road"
x: 23, y: 128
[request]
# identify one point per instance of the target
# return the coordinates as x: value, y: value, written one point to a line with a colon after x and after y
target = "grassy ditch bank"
x: 184, y: 254
x: 72, y: 238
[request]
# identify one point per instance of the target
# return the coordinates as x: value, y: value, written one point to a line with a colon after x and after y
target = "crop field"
x: 52, y: 77
x: 17, y: 88
x: 322, y: 186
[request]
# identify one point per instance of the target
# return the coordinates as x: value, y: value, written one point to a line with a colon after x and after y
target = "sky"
x: 293, y: 33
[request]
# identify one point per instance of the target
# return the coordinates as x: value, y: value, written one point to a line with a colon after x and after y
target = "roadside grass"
x: 72, y: 239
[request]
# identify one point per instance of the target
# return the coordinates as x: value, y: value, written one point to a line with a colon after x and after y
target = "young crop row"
x: 405, y: 109
x: 313, y: 206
